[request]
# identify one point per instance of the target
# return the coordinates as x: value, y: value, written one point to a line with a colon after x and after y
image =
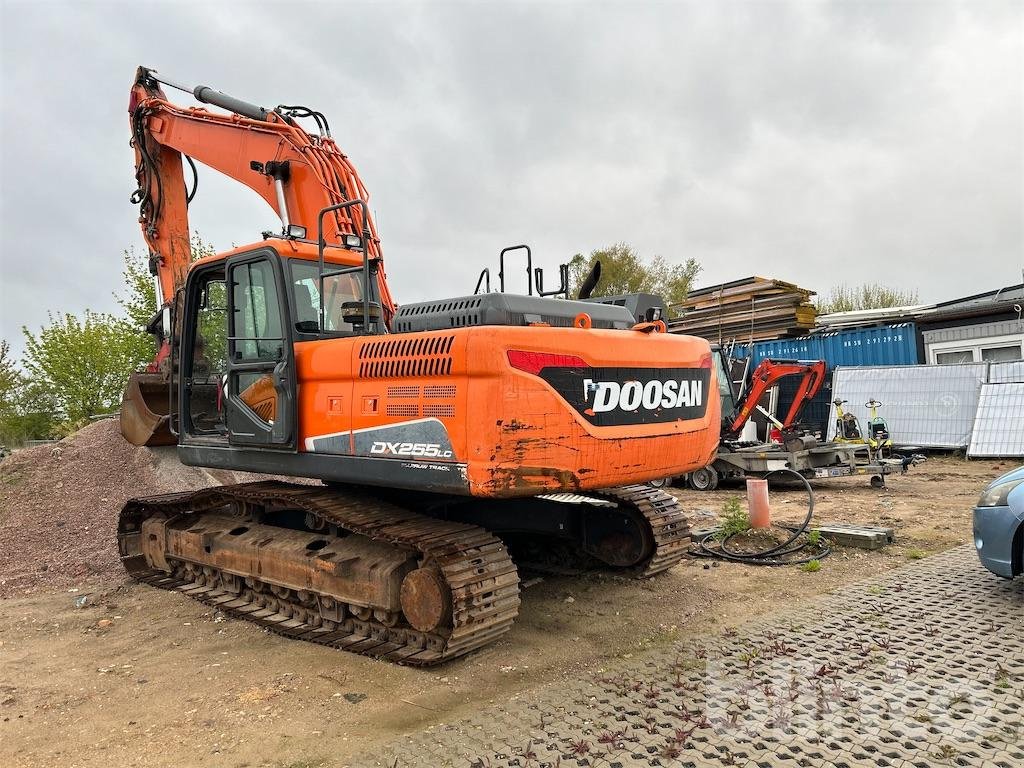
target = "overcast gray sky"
x: 813, y: 142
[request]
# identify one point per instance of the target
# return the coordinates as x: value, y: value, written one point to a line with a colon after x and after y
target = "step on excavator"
x: 433, y: 438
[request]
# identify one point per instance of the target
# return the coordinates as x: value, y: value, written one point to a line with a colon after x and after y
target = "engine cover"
x: 505, y: 309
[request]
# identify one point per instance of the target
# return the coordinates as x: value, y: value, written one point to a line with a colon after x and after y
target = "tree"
x: 77, y: 367
x: 843, y: 298
x: 9, y: 375
x: 139, y: 298
x: 624, y: 271
x: 26, y: 410
x: 83, y: 364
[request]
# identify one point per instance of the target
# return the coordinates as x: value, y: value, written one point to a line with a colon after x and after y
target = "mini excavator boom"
x: 767, y: 374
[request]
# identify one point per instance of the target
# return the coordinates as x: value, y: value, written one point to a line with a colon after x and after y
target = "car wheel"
x: 705, y: 479
x: 661, y: 482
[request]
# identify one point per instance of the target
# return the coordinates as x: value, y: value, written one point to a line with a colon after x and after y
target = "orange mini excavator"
x: 433, y: 428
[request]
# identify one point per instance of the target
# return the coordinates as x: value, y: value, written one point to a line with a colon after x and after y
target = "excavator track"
x: 664, y: 517
x: 481, y: 580
x: 655, y: 516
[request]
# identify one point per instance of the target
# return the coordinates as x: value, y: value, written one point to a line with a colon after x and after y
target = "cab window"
x: 338, y: 290
x: 257, y: 321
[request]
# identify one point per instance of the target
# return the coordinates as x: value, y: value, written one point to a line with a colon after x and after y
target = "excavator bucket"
x: 145, y: 410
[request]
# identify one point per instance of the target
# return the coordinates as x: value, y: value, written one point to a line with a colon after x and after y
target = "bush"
x: 734, y: 519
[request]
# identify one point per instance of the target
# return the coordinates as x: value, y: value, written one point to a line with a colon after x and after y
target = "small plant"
x: 814, y: 538
x: 580, y: 747
x: 945, y: 752
x: 1002, y: 677
x: 612, y: 737
x: 960, y: 698
x: 734, y: 519
x: 812, y: 566
x: 671, y: 751
x: 916, y: 554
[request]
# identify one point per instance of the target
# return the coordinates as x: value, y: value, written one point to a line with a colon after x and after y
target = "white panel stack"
x: 1006, y: 373
x: 999, y: 424
x: 929, y: 406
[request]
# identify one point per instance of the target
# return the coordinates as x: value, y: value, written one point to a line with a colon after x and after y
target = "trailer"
x: 815, y: 461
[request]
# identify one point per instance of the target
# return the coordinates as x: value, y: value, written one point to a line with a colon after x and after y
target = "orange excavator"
x: 439, y: 440
x: 767, y: 374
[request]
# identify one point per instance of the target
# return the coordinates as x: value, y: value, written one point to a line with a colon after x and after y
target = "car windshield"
x: 338, y: 290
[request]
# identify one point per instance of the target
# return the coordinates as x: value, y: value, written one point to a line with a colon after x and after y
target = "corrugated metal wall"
x: 880, y: 345
x: 968, y: 332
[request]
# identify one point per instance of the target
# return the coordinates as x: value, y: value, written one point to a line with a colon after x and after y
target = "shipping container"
x: 880, y: 345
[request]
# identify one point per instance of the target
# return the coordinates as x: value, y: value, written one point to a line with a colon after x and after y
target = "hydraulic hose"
x: 775, y: 555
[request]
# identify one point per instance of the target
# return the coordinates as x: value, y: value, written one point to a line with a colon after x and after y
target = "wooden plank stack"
x: 751, y: 309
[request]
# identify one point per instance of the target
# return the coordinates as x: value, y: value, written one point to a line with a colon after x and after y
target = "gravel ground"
x: 59, y: 504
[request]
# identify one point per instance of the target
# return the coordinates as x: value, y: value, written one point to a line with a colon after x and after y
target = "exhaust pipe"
x: 590, y: 283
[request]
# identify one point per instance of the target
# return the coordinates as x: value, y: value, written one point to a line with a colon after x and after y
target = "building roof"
x: 1012, y: 294
x: 871, y: 316
x: 1002, y: 301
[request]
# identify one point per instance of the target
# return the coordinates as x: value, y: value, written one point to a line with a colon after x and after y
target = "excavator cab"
x: 236, y: 361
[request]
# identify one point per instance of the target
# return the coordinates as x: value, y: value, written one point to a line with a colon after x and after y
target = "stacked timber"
x: 751, y: 309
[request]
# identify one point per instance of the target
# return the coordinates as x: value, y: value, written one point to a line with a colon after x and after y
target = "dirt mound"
x: 59, y: 504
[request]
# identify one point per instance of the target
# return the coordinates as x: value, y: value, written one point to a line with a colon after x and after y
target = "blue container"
x: 886, y: 345
x: 881, y: 345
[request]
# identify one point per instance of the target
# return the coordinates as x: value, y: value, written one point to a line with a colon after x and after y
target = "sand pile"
x: 59, y: 504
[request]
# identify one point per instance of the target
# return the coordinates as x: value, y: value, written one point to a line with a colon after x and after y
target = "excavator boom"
x: 297, y: 174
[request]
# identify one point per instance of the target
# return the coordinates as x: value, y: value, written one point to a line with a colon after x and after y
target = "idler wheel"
x: 426, y: 599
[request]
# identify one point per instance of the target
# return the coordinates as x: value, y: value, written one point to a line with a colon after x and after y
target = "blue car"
x: 999, y: 525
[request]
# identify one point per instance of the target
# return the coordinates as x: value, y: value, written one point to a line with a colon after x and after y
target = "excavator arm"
x: 297, y: 173
x: 765, y: 376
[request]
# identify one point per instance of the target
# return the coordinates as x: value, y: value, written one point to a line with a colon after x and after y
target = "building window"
x: 994, y: 349
x: 1001, y: 354
x: 954, y: 358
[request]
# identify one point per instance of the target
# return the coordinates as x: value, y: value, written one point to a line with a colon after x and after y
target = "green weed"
x: 734, y: 519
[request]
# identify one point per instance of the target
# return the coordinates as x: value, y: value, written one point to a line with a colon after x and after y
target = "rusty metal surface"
x: 426, y: 603
x: 922, y: 666
x: 479, y: 579
x: 662, y: 520
x: 352, y: 569
x: 413, y: 589
x: 145, y: 409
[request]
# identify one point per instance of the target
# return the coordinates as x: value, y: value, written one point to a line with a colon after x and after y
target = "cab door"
x: 260, y: 392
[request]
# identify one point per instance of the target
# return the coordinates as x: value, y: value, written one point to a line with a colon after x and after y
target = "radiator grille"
x: 406, y: 392
x: 439, y: 391
x: 403, y: 409
x: 398, y: 357
x: 439, y: 410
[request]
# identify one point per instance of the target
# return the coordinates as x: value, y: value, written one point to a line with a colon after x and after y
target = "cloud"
x: 813, y: 142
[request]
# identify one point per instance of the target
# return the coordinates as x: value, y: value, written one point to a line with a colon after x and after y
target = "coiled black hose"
x: 776, y: 555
